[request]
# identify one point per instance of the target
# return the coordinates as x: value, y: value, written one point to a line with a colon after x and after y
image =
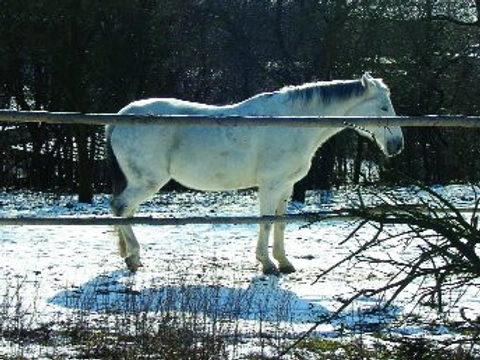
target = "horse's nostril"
x: 394, y: 146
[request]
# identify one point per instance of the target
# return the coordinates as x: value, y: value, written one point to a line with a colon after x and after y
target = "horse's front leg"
x: 285, y: 266
x: 269, y: 197
x: 268, y: 266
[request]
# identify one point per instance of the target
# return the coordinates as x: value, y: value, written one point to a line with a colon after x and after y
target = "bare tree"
x: 442, y: 243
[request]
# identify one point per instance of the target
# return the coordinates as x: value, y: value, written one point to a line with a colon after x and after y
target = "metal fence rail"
x: 332, y: 215
x: 147, y: 220
x: 69, y: 118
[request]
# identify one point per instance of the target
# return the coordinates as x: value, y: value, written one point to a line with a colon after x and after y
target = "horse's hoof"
x: 271, y: 270
x: 287, y: 269
x: 133, y: 264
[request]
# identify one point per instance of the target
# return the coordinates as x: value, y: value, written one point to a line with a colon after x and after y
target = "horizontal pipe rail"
x: 147, y: 220
x: 332, y: 215
x: 70, y: 118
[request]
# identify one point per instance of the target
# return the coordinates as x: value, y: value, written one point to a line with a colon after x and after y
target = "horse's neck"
x: 275, y: 104
x: 335, y: 108
x: 279, y: 104
x: 311, y: 137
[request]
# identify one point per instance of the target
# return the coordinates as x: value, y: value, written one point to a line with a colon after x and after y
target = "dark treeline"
x: 97, y: 56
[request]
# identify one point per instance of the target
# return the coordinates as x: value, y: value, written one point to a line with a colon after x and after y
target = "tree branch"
x: 454, y: 20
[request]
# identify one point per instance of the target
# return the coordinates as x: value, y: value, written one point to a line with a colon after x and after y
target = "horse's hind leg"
x: 129, y: 247
x: 124, y: 205
x: 132, y: 196
x: 127, y: 242
x: 122, y: 244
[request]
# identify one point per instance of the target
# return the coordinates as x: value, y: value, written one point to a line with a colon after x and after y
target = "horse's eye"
x: 384, y: 108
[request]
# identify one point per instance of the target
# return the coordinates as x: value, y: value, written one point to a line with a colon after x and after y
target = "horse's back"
x: 167, y: 106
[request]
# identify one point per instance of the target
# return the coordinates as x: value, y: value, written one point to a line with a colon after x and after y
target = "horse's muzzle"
x: 394, y: 146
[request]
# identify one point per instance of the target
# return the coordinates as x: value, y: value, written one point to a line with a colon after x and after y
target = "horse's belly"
x: 212, y: 172
x: 214, y: 158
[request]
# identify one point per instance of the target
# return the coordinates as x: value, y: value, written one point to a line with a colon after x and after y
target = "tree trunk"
x: 84, y: 173
x: 357, y: 165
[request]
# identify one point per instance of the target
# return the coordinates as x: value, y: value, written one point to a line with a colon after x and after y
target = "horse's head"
x: 376, y: 102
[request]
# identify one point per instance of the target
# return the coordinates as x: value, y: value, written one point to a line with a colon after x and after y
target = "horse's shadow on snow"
x: 262, y: 300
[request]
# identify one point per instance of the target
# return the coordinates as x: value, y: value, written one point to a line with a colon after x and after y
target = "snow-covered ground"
x: 49, y: 272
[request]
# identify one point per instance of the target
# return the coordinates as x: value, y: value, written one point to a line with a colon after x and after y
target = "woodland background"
x: 97, y: 56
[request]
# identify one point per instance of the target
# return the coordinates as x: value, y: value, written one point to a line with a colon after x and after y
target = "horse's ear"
x: 368, y: 81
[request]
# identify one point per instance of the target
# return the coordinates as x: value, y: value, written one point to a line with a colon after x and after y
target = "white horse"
x: 271, y: 158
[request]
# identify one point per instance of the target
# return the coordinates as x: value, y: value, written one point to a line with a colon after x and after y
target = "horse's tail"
x: 118, y: 179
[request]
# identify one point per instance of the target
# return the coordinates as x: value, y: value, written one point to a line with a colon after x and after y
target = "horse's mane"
x: 324, y: 91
